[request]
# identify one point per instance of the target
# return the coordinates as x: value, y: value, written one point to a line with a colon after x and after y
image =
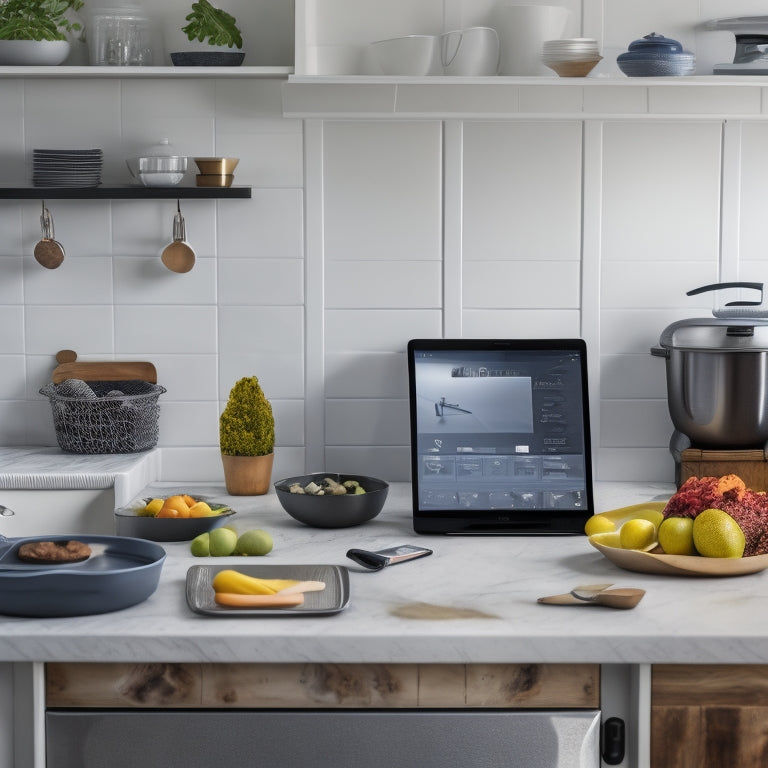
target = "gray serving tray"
x: 334, y: 598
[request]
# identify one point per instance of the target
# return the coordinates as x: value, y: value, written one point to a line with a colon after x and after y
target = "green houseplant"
x: 36, y: 31
x: 212, y: 24
x: 212, y: 27
x: 247, y: 439
x: 38, y: 19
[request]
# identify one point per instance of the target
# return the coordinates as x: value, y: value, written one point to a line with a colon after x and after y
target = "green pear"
x: 255, y: 542
x: 222, y: 541
x: 200, y: 546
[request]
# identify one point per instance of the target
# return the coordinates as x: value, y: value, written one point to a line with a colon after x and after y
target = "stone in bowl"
x: 333, y: 511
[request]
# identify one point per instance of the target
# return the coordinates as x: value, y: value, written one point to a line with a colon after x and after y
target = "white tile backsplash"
x: 152, y: 330
x: 264, y: 282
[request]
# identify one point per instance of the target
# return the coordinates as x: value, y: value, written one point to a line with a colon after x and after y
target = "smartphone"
x: 379, y: 559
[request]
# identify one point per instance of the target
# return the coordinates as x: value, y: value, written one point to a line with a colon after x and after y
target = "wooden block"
x: 750, y: 465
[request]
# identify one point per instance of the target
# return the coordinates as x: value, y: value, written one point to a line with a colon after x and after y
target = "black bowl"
x: 207, y: 58
x: 333, y: 511
x: 128, y: 523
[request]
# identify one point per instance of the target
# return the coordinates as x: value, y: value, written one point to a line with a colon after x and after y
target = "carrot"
x: 258, y: 601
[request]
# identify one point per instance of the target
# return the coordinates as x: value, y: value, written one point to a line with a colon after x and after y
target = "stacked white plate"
x: 67, y: 167
x: 572, y: 57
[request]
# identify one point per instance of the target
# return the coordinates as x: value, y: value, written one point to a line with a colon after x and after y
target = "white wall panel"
x: 382, y: 190
x: 521, y: 284
x: 267, y: 342
x: 661, y: 191
x: 379, y: 330
x: 383, y: 284
x: 376, y: 374
x: 521, y: 323
x: 367, y: 422
x: 517, y: 207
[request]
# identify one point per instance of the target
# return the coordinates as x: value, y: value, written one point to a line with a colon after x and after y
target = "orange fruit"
x: 174, y: 506
x: 188, y: 500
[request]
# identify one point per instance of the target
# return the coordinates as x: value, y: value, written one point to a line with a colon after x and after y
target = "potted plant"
x: 213, y: 27
x: 247, y: 439
x: 36, y: 31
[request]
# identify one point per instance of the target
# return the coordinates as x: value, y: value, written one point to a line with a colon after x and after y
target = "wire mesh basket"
x: 105, y: 416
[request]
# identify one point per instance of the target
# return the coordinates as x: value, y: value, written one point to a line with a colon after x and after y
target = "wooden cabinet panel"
x: 709, y: 716
x: 360, y: 686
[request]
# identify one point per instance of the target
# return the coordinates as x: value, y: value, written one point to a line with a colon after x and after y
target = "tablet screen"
x: 500, y: 438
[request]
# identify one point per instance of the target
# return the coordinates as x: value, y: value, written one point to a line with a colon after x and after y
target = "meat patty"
x: 63, y: 551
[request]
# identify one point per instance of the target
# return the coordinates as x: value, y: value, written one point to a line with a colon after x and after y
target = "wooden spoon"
x: 623, y: 597
x: 178, y: 256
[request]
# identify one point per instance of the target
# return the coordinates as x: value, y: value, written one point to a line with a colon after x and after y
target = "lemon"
x: 255, y: 542
x: 654, y: 515
x: 599, y: 524
x: 637, y: 534
x: 151, y: 509
x: 200, y: 509
x: 717, y: 534
x: 676, y: 536
x: 607, y: 539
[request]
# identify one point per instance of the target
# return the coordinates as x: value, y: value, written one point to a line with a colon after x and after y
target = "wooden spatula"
x: 127, y: 370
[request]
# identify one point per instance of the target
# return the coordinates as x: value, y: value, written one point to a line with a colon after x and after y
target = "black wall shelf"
x: 126, y: 192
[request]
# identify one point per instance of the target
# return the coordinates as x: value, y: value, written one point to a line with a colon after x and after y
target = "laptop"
x: 500, y: 440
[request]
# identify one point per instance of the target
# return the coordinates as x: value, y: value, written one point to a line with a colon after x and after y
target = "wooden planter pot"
x: 247, y: 475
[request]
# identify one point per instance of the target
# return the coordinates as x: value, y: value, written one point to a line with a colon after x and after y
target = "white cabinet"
x: 42, y: 512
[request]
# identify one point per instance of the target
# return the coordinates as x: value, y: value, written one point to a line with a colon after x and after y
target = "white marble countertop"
x: 681, y: 619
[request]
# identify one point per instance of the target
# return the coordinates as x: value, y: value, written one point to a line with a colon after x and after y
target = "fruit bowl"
x: 657, y: 561
x: 129, y: 523
x: 332, y: 511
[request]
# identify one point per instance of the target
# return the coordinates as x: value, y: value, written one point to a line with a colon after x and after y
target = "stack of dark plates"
x: 66, y: 167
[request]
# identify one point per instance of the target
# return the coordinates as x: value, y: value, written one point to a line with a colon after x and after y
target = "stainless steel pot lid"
x: 739, y: 326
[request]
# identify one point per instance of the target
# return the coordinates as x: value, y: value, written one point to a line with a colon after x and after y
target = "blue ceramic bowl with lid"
x: 656, y: 56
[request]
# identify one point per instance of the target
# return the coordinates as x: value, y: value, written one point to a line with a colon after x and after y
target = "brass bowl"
x: 215, y: 179
x: 217, y: 165
x: 573, y: 68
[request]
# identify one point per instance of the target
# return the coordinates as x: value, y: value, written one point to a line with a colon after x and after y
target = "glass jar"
x: 119, y: 36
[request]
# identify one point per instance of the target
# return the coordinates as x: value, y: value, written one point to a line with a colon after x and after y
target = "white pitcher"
x: 522, y: 31
x: 470, y: 52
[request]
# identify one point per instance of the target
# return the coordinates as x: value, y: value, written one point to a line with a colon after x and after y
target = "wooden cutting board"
x: 128, y: 370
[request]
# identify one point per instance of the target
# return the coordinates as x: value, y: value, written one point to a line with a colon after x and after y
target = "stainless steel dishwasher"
x: 323, y: 738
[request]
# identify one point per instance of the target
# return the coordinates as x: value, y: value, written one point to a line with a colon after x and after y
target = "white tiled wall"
x: 238, y: 312
x: 405, y: 250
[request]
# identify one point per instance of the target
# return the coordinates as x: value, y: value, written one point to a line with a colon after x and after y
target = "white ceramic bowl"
x: 24, y: 53
x: 414, y: 55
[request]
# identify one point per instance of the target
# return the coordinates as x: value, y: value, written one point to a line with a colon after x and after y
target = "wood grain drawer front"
x: 709, y: 716
x: 275, y: 686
